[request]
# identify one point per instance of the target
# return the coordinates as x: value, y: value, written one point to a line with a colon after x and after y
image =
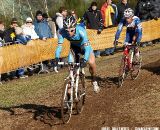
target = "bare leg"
x: 92, y: 66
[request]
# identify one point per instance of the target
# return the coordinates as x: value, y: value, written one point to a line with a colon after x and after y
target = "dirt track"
x: 135, y: 104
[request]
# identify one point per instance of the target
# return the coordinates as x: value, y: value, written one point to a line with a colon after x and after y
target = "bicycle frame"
x: 128, y: 64
x: 126, y: 52
x: 74, y: 73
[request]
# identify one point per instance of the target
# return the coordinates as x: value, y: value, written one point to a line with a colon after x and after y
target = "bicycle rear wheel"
x: 136, y: 66
x: 122, y: 71
x: 66, y: 103
x: 81, y: 94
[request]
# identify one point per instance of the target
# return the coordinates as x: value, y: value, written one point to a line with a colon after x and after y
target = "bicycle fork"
x: 76, y: 84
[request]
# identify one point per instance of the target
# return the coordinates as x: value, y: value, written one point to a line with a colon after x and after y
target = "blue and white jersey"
x: 79, y: 39
x: 134, y: 28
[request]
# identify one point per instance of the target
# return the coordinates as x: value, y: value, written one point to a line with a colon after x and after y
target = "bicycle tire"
x: 122, y: 72
x: 136, y: 67
x: 81, y: 94
x: 66, y: 105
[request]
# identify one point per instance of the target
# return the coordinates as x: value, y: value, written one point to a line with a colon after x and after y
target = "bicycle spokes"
x: 81, y: 94
x: 136, y: 66
x: 124, y: 70
x: 67, y: 103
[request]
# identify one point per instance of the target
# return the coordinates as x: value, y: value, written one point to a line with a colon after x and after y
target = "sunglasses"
x: 29, y: 22
x: 70, y: 30
x: 14, y: 22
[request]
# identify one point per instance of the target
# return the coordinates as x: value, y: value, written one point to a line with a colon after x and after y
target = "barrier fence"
x: 15, y: 56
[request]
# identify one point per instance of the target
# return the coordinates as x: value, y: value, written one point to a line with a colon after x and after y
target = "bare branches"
x: 4, y: 12
x: 20, y: 10
x: 30, y: 9
x: 13, y: 10
x: 46, y: 7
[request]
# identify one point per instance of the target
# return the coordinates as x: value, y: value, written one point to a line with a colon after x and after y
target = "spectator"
x: 94, y: 20
x: 73, y: 13
x: 14, y: 33
x: 1, y: 33
x: 121, y: 7
x: 10, y: 36
x: 41, y: 26
x: 21, y: 37
x: 60, y: 16
x: 147, y: 9
x: 109, y: 13
x: 51, y: 24
x: 28, y: 29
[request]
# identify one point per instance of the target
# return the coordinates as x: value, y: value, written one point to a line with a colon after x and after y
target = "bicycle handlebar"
x: 67, y: 63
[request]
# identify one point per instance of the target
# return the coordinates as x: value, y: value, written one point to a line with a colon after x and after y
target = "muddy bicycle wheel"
x: 136, y: 67
x: 81, y: 94
x: 66, y: 103
x: 122, y: 72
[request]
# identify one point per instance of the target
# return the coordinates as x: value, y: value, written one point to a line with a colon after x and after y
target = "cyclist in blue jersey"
x: 79, y: 43
x: 134, y: 28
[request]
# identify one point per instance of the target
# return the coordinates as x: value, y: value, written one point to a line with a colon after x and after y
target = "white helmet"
x: 128, y: 13
x: 69, y: 22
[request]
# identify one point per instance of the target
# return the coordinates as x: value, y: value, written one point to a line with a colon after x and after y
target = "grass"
x: 28, y: 90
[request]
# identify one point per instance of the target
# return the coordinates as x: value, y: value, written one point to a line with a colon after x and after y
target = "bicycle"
x: 129, y: 63
x: 74, y: 91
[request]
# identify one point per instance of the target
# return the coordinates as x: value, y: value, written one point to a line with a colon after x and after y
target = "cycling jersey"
x: 79, y: 40
x: 133, y: 29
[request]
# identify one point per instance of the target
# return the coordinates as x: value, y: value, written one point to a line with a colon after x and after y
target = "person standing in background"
x: 93, y: 20
x: 28, y: 29
x: 41, y: 26
x: 109, y: 14
x: 51, y: 24
x: 60, y: 16
x: 122, y: 6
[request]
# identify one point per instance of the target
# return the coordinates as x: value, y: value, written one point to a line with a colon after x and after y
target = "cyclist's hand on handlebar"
x: 83, y: 63
x: 136, y: 43
x: 115, y: 42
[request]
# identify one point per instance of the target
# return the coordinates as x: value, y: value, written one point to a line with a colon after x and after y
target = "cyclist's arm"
x: 119, y: 30
x: 59, y: 47
x: 85, y: 42
x: 138, y: 31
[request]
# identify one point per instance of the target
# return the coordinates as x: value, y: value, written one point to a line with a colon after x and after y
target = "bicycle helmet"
x: 128, y: 13
x: 69, y: 22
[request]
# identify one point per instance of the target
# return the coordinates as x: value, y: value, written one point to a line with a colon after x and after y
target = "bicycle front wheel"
x: 136, y: 66
x: 122, y: 71
x: 66, y: 102
x: 81, y: 94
